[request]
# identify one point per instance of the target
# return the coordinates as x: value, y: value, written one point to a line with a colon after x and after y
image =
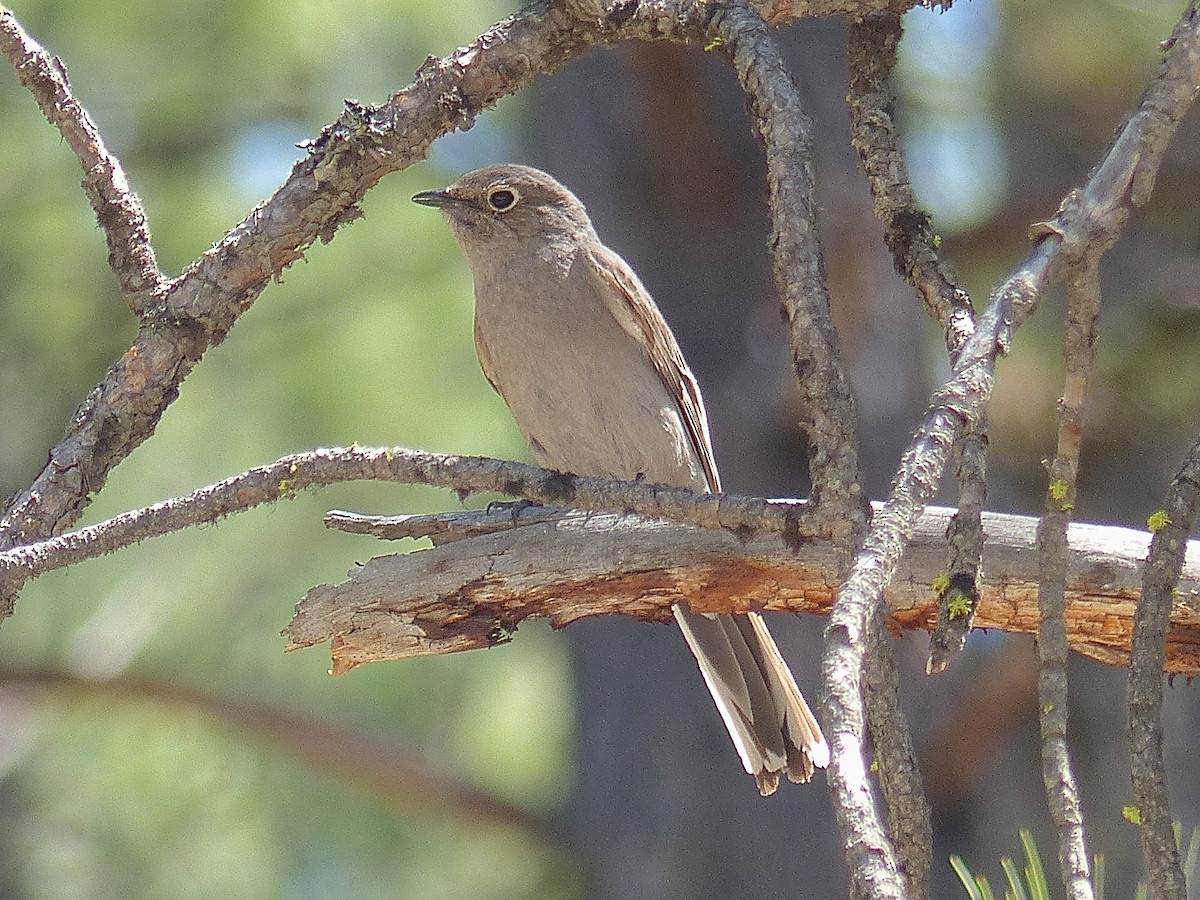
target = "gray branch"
x: 118, y: 210
x: 1161, y: 582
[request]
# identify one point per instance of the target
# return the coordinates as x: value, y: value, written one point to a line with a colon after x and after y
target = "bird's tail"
x: 772, y: 727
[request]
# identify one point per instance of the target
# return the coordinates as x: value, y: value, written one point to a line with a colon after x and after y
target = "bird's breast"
x: 582, y: 390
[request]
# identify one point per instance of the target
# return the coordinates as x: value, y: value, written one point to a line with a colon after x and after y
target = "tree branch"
x: 1058, y: 776
x: 1161, y: 582
x: 871, y: 52
x: 196, y: 310
x: 118, y: 210
x: 828, y: 408
x: 1122, y: 181
x: 840, y: 504
x: 464, y: 474
x: 487, y: 574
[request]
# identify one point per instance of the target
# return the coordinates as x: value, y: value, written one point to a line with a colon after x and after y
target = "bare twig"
x: 443, y: 527
x: 871, y: 52
x: 958, y: 598
x: 118, y: 210
x: 786, y: 133
x: 1062, y: 792
x: 1120, y: 183
x: 1147, y: 766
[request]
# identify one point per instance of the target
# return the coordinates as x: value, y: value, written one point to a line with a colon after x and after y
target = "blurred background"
x: 156, y: 740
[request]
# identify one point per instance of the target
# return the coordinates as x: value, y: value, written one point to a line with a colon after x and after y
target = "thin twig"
x: 958, y: 598
x: 871, y: 52
x: 118, y: 210
x: 1088, y: 223
x: 1062, y: 792
x: 1147, y: 654
x: 892, y: 528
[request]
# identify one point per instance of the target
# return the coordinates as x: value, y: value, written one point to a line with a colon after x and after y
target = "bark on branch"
x: 485, y: 576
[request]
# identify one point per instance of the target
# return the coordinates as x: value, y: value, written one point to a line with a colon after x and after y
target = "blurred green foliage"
x: 368, y: 339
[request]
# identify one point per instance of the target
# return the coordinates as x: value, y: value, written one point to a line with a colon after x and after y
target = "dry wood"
x: 475, y: 586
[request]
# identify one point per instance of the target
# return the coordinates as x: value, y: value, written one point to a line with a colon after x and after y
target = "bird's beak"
x: 440, y: 198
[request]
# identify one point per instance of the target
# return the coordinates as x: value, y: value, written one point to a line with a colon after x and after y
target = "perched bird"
x: 572, y: 341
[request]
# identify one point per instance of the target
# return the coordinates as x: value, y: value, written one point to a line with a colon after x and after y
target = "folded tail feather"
x: 771, y: 725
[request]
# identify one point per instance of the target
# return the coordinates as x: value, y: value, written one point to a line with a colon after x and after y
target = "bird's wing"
x: 485, y: 360
x: 631, y: 306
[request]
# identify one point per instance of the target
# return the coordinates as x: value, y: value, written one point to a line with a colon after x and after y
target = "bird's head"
x: 509, y: 210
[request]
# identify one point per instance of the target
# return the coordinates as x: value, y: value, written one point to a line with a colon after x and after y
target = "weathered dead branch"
x: 486, y: 575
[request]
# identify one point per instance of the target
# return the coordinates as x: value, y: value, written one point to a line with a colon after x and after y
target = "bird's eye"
x: 502, y: 199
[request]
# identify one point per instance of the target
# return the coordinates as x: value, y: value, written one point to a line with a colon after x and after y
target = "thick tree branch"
x: 486, y: 574
x: 779, y: 12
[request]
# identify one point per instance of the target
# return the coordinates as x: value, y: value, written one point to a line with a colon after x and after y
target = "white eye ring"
x: 502, y: 198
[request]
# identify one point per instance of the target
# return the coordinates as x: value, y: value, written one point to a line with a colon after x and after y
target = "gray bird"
x: 572, y: 341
